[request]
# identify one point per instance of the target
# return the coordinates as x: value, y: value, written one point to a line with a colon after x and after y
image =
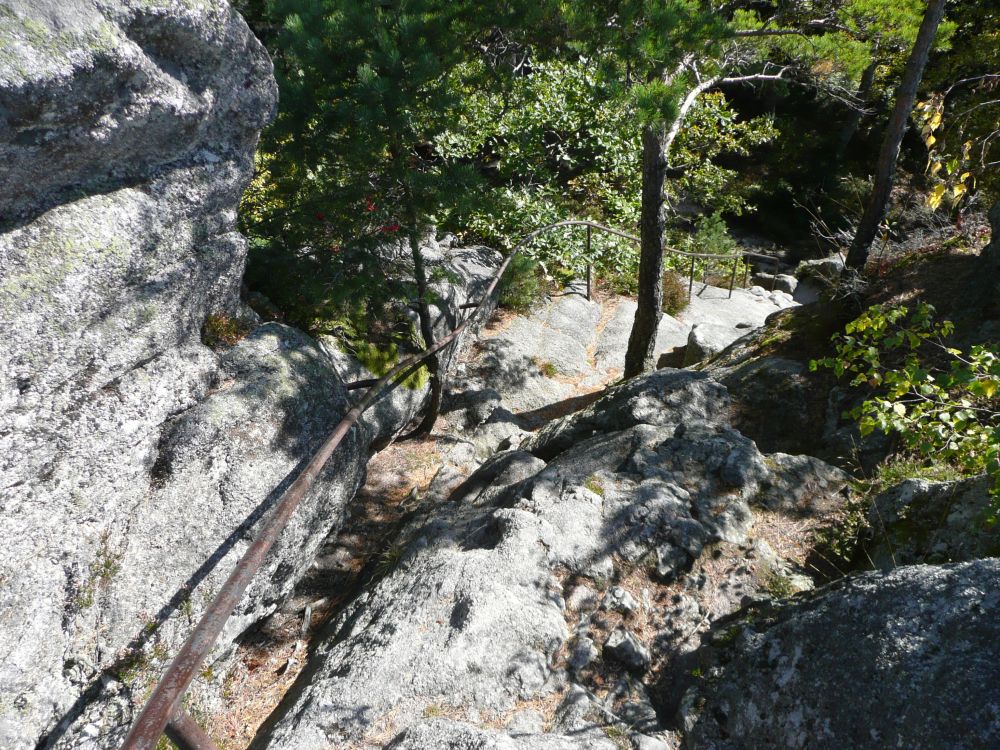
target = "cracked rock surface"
x: 902, y: 659
x: 534, y: 585
x: 135, y: 462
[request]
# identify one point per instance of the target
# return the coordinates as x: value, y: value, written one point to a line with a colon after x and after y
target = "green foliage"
x: 777, y: 585
x: 349, y: 180
x: 387, y: 560
x: 595, y: 485
x: 940, y: 401
x: 103, y: 568
x: 675, y: 293
x: 552, y: 154
x: 713, y: 129
x: 959, y: 116
x: 493, y: 119
x: 712, y: 237
x: 546, y: 368
x: 896, y: 469
x: 379, y: 358
x: 521, y: 286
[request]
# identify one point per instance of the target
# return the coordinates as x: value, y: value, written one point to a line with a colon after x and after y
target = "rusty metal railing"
x: 163, y: 712
x: 734, y: 258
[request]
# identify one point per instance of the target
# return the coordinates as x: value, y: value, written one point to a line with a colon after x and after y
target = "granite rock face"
x: 127, y: 132
x: 903, y: 659
x: 918, y: 521
x: 135, y: 461
x: 537, y: 584
x: 705, y: 341
x: 441, y: 734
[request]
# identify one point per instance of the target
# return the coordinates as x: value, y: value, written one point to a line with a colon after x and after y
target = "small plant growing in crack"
x: 433, y: 711
x: 388, y: 559
x: 778, y: 586
x: 545, y: 368
x: 595, y: 485
x: 618, y: 736
x: 104, y: 567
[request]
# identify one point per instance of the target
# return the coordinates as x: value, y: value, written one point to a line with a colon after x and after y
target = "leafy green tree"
x: 560, y: 142
x: 672, y: 53
x: 939, y: 400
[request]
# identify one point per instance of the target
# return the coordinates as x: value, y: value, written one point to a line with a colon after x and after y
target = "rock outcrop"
x: 135, y: 461
x: 904, y: 659
x: 564, y: 581
x: 918, y: 521
x: 569, y: 346
x: 126, y: 139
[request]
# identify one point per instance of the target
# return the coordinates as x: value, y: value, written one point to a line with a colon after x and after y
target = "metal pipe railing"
x: 163, y: 709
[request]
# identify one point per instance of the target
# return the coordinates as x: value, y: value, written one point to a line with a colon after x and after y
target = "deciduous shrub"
x: 939, y: 400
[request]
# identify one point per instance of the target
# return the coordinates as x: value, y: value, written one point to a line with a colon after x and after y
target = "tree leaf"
x: 934, y: 199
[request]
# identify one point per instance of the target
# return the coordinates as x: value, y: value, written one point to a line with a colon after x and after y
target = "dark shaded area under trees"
x: 489, y: 120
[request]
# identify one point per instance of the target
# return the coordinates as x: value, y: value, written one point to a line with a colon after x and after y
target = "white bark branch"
x: 686, y: 104
x: 702, y: 86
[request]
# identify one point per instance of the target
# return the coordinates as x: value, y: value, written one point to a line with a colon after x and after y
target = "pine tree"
x: 354, y: 168
x: 906, y: 95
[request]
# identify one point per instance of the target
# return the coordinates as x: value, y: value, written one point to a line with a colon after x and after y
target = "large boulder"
x: 918, y: 521
x: 706, y: 340
x: 782, y: 282
x: 127, y: 132
x: 666, y: 397
x: 550, y: 582
x: 136, y: 462
x: 903, y: 659
x: 826, y: 270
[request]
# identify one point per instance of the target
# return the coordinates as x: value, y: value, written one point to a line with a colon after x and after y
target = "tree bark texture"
x: 427, y: 332
x: 642, y: 340
x: 906, y: 95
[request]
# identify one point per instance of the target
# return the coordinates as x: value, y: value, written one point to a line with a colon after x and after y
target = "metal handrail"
x: 164, y: 708
x: 743, y: 254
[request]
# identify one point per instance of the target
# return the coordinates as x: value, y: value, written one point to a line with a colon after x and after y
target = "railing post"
x: 732, y: 278
x: 691, y: 281
x: 590, y: 267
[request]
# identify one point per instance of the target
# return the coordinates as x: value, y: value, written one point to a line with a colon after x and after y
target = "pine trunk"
x: 427, y: 332
x: 642, y: 340
x: 906, y: 95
